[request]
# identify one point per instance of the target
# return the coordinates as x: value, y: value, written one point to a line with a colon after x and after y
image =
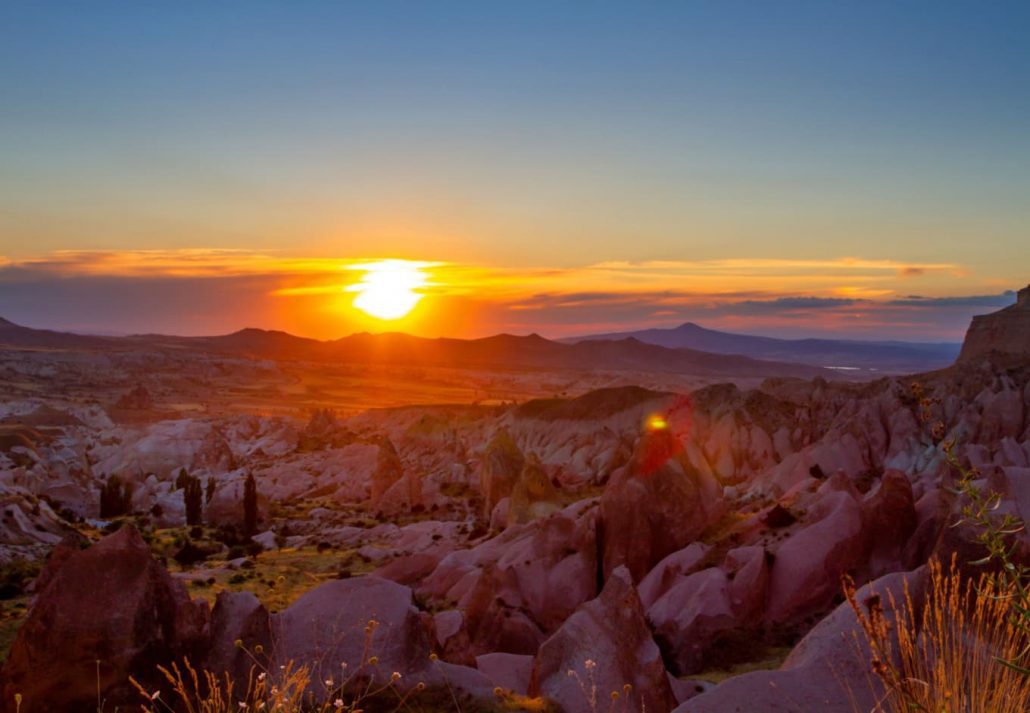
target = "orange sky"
x: 315, y: 296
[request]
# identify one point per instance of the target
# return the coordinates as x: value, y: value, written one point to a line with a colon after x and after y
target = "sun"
x: 389, y: 289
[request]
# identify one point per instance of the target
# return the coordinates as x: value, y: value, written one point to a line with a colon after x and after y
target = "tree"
x: 193, y: 496
x: 210, y: 489
x: 182, y: 479
x: 115, y: 498
x: 250, y: 506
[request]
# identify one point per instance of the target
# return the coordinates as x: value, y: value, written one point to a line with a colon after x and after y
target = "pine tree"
x: 250, y: 506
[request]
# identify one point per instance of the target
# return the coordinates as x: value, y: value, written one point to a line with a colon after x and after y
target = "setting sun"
x: 389, y: 288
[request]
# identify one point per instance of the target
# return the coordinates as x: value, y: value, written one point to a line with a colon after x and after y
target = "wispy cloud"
x: 212, y: 290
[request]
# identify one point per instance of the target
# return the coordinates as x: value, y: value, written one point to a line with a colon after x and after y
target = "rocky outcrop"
x: 519, y: 586
x: 828, y: 671
x: 1005, y: 332
x: 134, y: 618
x: 534, y: 496
x: 388, y: 471
x: 499, y: 471
x: 655, y: 506
x: 605, y: 643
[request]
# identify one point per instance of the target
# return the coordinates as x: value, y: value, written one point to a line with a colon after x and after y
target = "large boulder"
x: 329, y: 626
x: 808, y: 566
x: 828, y: 671
x: 708, y: 618
x: 107, y: 613
x: 657, y: 505
x: 605, y: 643
x: 240, y: 635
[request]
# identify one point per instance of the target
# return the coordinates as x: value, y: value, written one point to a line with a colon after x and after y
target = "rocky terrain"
x: 681, y: 547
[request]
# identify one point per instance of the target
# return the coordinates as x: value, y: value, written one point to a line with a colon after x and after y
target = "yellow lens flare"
x: 389, y: 289
x: 657, y: 423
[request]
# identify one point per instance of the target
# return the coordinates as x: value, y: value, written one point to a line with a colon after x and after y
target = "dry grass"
x: 950, y: 657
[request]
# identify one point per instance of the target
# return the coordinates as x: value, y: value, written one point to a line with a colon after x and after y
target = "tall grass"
x: 949, y: 655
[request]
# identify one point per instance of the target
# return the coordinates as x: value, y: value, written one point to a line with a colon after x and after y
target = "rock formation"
x: 1005, y: 332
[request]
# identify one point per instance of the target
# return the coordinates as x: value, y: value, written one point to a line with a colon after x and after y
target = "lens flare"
x: 389, y: 289
x: 657, y: 423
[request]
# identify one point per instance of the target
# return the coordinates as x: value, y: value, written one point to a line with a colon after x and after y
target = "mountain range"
x: 885, y: 356
x: 504, y: 351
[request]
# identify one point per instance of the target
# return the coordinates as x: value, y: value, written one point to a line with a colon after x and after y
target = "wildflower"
x: 421, y: 686
x: 154, y: 695
x: 243, y: 705
x: 338, y: 703
x: 329, y: 682
x: 259, y: 649
x: 261, y: 676
x: 343, y: 664
x: 615, y: 695
x: 395, y: 676
x: 433, y: 657
x: 238, y: 643
x: 589, y: 664
x: 374, y: 660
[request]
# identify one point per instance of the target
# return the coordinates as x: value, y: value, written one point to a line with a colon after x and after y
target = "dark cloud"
x: 1001, y: 300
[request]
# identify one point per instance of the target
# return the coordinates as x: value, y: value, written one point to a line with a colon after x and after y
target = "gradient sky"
x: 860, y: 169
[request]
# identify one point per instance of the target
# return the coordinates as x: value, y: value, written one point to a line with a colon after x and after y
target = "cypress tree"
x: 193, y: 495
x: 250, y: 506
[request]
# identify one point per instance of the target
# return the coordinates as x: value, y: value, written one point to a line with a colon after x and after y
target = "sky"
x: 796, y: 168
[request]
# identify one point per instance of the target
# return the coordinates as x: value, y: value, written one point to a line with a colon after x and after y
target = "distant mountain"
x: 503, y: 351
x: 19, y: 336
x: 886, y: 356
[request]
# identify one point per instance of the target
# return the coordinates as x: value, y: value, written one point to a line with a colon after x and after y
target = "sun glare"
x: 389, y: 289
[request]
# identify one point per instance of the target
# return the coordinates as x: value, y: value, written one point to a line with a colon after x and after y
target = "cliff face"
x: 1005, y: 332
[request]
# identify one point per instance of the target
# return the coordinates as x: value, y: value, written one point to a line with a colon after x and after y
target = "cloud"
x: 210, y: 291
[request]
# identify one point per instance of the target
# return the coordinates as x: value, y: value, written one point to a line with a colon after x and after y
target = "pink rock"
x: 326, y: 627
x: 605, y: 642
x: 659, y: 505
x: 134, y: 618
x: 511, y: 672
x: 808, y: 565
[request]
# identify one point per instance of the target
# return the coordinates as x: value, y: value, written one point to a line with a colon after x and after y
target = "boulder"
x: 828, y: 671
x: 808, y: 565
x: 238, y: 617
x: 329, y: 626
x: 605, y: 643
x: 135, y: 617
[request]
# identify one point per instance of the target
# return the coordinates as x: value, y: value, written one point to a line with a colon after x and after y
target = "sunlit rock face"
x: 1005, y: 332
x: 500, y: 469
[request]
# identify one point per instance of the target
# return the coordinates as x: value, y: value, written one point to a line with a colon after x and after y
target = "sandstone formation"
x: 1005, y: 333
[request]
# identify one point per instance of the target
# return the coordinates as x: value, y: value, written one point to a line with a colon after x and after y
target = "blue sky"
x: 524, y: 135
